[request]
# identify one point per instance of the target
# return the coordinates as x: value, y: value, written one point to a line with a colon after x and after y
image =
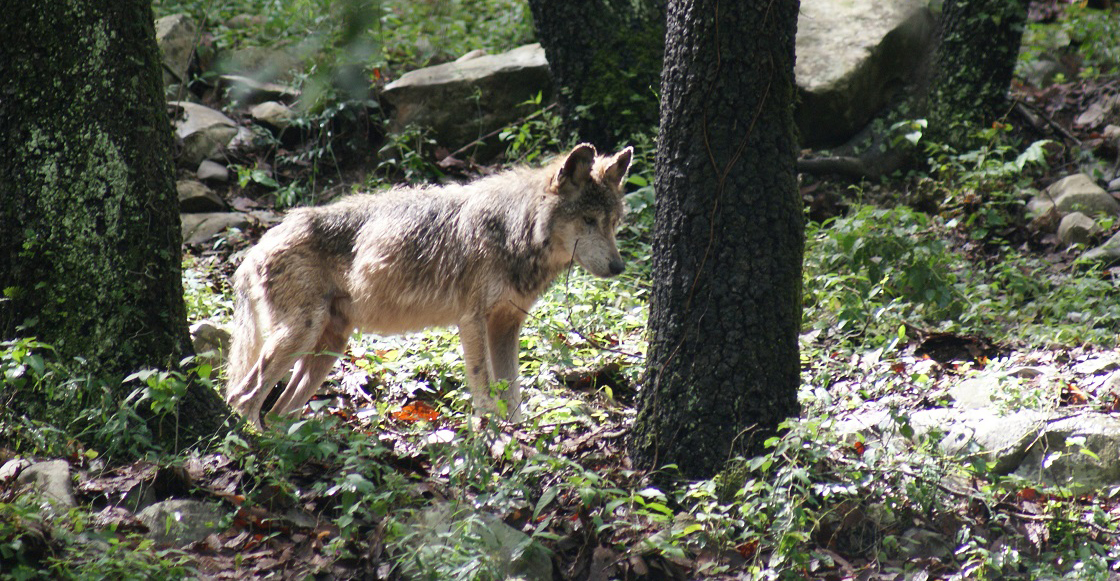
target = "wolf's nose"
x: 616, y: 267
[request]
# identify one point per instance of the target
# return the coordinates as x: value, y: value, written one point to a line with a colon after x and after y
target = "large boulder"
x: 50, y: 482
x: 851, y: 56
x: 175, y: 35
x: 1079, y: 193
x: 467, y: 99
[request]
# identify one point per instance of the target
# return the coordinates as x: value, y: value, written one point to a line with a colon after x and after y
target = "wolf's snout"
x: 616, y: 267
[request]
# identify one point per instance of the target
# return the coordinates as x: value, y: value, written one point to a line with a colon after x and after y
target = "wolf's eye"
x: 590, y: 221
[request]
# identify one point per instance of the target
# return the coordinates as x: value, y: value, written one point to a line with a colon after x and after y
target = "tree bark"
x: 977, y: 47
x: 90, y: 237
x: 725, y: 313
x: 605, y: 57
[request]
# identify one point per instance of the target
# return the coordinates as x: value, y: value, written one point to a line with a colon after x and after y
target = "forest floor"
x: 914, y: 283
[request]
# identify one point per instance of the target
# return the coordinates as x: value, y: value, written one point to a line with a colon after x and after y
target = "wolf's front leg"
x: 503, y: 335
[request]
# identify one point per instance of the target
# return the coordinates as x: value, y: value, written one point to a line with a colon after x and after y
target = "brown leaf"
x: 415, y: 412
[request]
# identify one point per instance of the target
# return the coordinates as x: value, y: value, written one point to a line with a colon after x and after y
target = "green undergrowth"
x: 876, y: 270
x: 1084, y: 35
x: 424, y: 496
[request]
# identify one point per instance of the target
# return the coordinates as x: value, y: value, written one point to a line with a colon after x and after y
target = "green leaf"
x: 548, y: 496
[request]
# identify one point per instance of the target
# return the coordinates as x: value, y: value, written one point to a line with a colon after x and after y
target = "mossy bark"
x: 605, y: 57
x: 723, y: 365
x: 89, y: 222
x: 977, y: 47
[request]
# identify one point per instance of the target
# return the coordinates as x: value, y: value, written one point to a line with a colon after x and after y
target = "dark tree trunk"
x: 605, y: 57
x: 723, y: 365
x: 978, y: 44
x: 90, y: 239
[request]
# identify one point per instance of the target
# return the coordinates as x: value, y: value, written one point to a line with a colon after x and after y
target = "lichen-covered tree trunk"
x: 89, y: 222
x: 723, y: 364
x: 977, y: 47
x: 605, y: 57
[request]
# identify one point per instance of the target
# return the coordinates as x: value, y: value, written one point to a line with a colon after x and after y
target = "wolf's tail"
x: 247, y: 335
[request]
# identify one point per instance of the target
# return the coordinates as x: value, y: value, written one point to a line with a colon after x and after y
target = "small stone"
x: 196, y: 197
x: 273, y: 114
x: 12, y: 468
x: 181, y: 522
x: 198, y: 228
x: 212, y: 171
x: 1077, y: 228
x: 210, y: 342
x: 1114, y: 185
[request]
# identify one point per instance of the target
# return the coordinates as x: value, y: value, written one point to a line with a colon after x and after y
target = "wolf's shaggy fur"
x: 475, y: 255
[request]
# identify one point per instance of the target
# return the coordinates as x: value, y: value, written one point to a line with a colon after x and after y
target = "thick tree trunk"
x: 605, y: 57
x: 978, y: 44
x: 90, y: 243
x: 723, y: 365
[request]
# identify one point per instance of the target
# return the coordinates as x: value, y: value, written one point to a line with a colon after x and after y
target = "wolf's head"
x: 590, y: 188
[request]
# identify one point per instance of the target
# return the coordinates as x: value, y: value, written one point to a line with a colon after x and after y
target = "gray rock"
x: 1075, y: 452
x: 1077, y: 228
x: 272, y: 113
x: 50, y: 480
x: 212, y: 171
x: 196, y: 197
x: 1114, y: 185
x: 1040, y: 203
x: 204, y: 131
x: 1098, y: 365
x: 1097, y: 112
x: 1111, y: 384
x: 1000, y: 439
x: 181, y: 522
x: 211, y: 343
x: 849, y: 57
x: 175, y: 35
x: 1078, y: 453
x: 1042, y: 72
x: 975, y: 392
x: 198, y: 228
x: 513, y: 554
x: 1108, y: 252
x: 443, y: 98
x: 12, y: 468
x: 1079, y: 193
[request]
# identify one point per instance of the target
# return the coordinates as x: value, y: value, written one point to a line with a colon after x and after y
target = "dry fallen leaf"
x: 416, y: 411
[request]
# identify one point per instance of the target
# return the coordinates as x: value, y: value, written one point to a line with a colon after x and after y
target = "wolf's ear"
x: 577, y: 166
x: 617, y: 167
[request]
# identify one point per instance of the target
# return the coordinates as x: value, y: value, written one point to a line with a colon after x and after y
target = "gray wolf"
x: 476, y: 255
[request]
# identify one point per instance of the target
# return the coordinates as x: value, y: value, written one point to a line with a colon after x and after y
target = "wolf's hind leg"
x: 476, y: 357
x: 312, y: 368
x: 290, y: 338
